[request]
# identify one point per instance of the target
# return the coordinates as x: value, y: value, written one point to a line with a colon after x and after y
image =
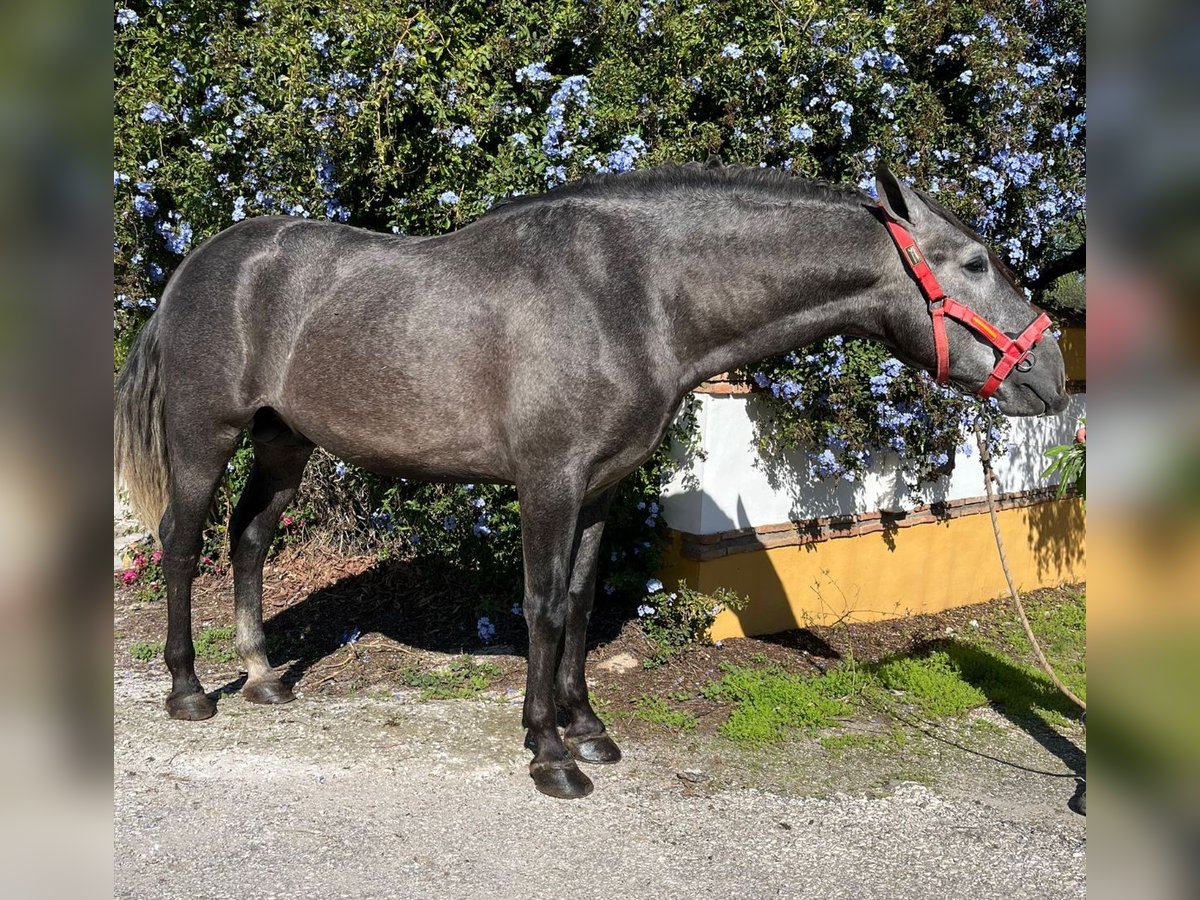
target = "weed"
x: 145, y: 651
x: 772, y: 703
x: 216, y: 644
x: 933, y: 683
x: 461, y: 679
x: 655, y: 711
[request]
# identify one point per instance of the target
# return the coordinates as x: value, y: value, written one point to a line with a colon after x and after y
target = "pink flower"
x: 129, y: 576
x: 156, y: 556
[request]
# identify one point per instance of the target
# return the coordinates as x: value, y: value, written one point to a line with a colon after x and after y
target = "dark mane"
x: 745, y: 182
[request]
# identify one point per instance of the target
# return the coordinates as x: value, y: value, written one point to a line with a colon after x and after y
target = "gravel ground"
x: 371, y: 797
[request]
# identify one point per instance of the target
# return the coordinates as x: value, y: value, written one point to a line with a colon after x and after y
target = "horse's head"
x: 986, y: 316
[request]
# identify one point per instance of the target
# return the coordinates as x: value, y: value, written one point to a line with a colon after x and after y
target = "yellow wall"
x: 927, y: 568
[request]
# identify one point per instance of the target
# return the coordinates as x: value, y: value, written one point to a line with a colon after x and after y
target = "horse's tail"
x: 139, y: 431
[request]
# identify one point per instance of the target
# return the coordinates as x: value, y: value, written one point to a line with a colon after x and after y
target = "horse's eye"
x: 978, y: 265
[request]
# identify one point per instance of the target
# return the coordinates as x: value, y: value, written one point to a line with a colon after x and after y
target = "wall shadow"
x: 1055, y: 531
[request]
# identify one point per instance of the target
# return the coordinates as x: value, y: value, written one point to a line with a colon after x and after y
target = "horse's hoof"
x: 594, y: 748
x: 268, y: 692
x: 560, y: 779
x: 191, y: 707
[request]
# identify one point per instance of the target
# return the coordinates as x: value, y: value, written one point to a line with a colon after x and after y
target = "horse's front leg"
x: 585, y: 736
x: 549, y: 519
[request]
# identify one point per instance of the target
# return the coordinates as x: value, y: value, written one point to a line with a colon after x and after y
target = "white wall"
x: 734, y: 487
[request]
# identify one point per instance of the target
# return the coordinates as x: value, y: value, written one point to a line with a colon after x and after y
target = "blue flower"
x: 486, y: 629
x: 521, y: 140
x: 801, y: 133
x: 480, y: 530
x: 181, y: 72
x: 965, y: 76
x: 447, y: 198
x: 318, y: 39
x: 126, y: 17
x: 645, y: 610
x: 846, y: 110
x: 239, y: 208
x: 144, y: 206
x: 732, y: 51
x: 622, y: 159
x: 155, y: 272
x: 449, y: 523
x: 535, y: 71
x: 340, y: 470
x: 177, y: 234
x: 517, y: 610
x: 351, y: 637
x: 155, y: 114
x: 653, y: 586
x: 462, y: 136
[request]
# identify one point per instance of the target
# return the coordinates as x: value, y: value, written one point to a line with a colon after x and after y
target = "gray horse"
x: 546, y: 345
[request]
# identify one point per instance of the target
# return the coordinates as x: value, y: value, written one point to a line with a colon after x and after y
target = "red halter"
x: 1012, y: 352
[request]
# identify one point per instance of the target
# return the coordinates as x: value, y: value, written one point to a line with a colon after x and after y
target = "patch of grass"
x: 216, y: 644
x: 934, y: 684
x: 1061, y: 629
x: 460, y: 679
x: 772, y: 703
x: 1019, y: 690
x: 655, y: 711
x: 145, y: 651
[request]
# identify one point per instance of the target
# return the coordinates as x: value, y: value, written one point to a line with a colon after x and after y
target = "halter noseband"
x: 1013, y: 352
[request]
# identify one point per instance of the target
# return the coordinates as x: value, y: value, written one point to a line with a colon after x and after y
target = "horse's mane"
x: 734, y: 181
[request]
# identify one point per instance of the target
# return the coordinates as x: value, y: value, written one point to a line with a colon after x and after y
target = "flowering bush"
x: 680, y: 618
x: 415, y: 119
x: 844, y: 400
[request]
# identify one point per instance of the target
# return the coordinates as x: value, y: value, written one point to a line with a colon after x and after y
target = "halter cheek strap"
x: 1012, y: 351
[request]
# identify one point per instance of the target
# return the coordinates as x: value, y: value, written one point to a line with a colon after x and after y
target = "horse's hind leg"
x: 280, y: 456
x: 584, y: 735
x: 197, y: 465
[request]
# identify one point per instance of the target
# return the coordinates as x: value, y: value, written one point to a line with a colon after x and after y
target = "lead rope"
x: 989, y: 477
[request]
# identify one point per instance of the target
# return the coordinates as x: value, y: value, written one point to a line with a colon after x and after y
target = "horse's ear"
x: 713, y: 161
x: 900, y: 201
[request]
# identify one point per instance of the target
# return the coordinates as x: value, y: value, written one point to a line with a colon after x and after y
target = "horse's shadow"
x: 1022, y: 699
x: 423, y: 604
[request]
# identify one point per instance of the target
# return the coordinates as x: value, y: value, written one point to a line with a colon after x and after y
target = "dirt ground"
x: 362, y: 788
x: 314, y: 603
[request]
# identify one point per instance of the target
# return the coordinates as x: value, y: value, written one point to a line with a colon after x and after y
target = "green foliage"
x: 416, y: 118
x: 462, y: 679
x: 845, y: 400
x: 147, y: 651
x: 772, y: 703
x: 677, y: 619
x: 656, y: 711
x: 1069, y: 463
x: 933, y: 684
x: 216, y: 644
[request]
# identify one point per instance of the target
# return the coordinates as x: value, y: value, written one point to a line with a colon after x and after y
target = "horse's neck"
x: 779, y: 285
